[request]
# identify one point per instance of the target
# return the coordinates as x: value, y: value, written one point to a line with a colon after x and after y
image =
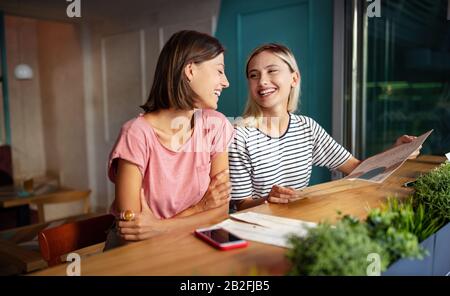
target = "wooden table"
x: 183, y: 254
x: 11, y: 198
x: 14, y: 200
x: 27, y: 258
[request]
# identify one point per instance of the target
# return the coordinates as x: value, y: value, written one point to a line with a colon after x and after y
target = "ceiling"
x: 91, y: 10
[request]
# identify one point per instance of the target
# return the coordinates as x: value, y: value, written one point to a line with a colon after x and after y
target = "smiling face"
x: 270, y: 81
x: 207, y: 79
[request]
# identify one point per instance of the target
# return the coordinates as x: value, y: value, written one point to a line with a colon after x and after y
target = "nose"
x: 263, y: 80
x: 225, y: 82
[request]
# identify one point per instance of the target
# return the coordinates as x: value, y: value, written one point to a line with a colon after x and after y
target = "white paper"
x: 274, y: 222
x: 448, y: 154
x: 266, y: 229
x: 379, y: 167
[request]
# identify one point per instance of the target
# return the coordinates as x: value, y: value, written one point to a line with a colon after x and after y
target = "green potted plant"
x: 411, y: 237
x: 341, y: 249
x: 431, y: 204
x: 432, y: 190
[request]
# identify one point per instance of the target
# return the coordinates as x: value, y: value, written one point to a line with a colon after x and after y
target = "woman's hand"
x: 408, y: 139
x: 279, y: 194
x: 144, y: 225
x: 218, y: 192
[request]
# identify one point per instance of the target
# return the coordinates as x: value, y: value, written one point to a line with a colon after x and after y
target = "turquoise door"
x: 305, y: 26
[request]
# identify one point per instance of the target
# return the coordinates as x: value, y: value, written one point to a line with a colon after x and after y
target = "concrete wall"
x: 27, y: 132
x: 62, y: 93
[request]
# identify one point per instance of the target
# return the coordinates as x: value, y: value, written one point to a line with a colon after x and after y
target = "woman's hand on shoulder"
x: 143, y: 226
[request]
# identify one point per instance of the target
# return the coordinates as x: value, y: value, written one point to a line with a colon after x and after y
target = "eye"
x: 273, y: 71
x: 252, y: 75
x: 220, y: 72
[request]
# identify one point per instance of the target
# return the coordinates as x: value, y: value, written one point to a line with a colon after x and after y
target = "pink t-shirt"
x: 172, y: 181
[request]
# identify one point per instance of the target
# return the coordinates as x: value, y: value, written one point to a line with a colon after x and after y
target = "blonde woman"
x: 274, y: 149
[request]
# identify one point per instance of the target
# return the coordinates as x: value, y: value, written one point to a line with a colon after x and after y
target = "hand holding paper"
x: 408, y: 139
x: 377, y: 168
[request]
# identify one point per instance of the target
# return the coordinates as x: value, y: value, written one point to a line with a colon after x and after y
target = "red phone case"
x: 229, y: 246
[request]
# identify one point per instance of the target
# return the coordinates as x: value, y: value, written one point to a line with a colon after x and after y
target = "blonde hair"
x: 253, y: 113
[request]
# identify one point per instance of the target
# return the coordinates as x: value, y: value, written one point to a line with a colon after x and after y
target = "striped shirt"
x: 258, y: 161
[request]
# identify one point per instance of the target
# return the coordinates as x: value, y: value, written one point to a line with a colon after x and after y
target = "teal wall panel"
x: 306, y: 27
x: 4, y: 84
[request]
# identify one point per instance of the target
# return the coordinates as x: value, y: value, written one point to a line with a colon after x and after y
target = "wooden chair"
x: 58, y: 241
x: 62, y: 197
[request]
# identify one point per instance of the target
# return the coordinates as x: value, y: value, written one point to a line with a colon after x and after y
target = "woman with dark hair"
x: 171, y: 163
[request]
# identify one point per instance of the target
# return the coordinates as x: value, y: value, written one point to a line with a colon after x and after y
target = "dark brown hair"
x: 170, y: 87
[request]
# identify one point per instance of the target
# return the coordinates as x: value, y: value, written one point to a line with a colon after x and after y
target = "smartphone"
x: 220, y: 238
x: 409, y: 184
